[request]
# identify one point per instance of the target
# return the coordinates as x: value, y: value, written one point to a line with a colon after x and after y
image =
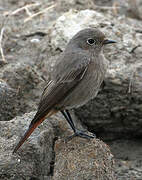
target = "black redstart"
x: 75, y: 80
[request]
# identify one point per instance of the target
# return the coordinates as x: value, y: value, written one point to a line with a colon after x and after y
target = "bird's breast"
x: 88, y: 87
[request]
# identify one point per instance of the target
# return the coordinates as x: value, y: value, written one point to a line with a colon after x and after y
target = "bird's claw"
x: 81, y: 134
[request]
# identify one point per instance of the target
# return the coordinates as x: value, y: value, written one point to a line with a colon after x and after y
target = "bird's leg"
x: 77, y: 132
x: 69, y: 119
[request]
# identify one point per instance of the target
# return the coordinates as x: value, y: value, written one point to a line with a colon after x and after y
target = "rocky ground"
x: 32, y: 36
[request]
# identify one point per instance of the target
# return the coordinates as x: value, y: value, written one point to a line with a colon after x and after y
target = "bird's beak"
x: 106, y: 41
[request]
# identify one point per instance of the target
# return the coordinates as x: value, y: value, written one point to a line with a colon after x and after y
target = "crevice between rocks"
x: 51, y: 173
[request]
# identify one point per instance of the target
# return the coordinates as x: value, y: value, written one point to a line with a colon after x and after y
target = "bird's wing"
x: 64, y: 82
x: 67, y: 77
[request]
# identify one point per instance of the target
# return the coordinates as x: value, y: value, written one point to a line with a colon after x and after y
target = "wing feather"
x: 62, y: 84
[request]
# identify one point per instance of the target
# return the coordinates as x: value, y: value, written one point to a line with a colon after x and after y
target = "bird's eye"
x: 91, y: 41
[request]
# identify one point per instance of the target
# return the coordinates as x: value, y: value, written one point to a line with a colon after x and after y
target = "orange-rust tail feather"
x: 31, y: 129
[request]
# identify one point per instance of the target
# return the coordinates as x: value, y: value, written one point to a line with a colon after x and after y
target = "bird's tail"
x: 31, y: 129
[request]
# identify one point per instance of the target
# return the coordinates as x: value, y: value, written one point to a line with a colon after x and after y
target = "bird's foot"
x: 81, y: 134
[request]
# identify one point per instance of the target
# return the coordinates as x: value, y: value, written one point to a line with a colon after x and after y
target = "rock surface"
x: 82, y: 159
x: 21, y: 88
x: 128, y: 155
x: 8, y: 98
x: 35, y: 159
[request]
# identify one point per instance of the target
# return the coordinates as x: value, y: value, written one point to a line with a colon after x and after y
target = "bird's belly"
x: 82, y: 94
x: 86, y: 90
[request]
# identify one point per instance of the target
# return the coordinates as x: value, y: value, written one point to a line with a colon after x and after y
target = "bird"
x: 76, y: 78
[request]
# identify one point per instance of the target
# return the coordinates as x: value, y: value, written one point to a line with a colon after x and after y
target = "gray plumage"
x: 79, y: 71
x: 75, y: 80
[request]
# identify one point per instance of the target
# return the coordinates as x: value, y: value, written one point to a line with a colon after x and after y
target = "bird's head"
x: 90, y: 39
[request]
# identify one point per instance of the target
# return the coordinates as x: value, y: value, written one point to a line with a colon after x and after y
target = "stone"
x: 34, y: 158
x: 8, y: 99
x: 42, y: 156
x: 83, y: 159
x: 22, y: 85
